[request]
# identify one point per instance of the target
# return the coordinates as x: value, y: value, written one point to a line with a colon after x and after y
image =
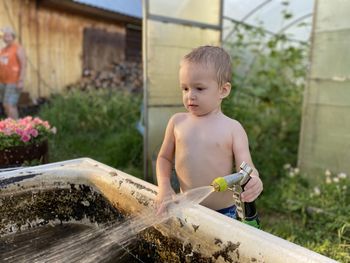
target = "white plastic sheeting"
x: 270, y: 15
x: 324, y: 139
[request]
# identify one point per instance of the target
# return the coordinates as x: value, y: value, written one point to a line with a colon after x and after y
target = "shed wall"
x: 53, y: 41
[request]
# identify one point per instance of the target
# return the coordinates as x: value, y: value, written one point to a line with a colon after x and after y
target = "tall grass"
x: 98, y: 124
x: 314, y: 216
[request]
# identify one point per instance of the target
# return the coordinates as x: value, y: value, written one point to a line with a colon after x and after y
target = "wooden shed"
x: 63, y: 37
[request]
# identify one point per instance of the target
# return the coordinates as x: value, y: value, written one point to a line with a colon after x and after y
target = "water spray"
x: 236, y: 182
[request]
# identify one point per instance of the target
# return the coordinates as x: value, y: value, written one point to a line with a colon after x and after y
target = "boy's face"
x: 201, y: 94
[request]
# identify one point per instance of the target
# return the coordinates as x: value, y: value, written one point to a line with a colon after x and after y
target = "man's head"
x: 8, y: 35
x: 205, y: 75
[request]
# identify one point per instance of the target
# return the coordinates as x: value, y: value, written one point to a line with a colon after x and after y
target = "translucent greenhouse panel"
x: 166, y: 40
x: 170, y: 43
x: 333, y: 16
x: 329, y: 63
x: 325, y: 137
x: 192, y: 10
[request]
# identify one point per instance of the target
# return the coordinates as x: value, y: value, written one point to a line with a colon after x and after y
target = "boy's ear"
x: 225, y: 90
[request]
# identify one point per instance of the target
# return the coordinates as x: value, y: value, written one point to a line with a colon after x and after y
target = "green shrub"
x: 97, y: 124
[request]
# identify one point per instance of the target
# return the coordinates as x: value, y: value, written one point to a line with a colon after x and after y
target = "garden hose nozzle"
x: 236, y: 182
x: 221, y: 184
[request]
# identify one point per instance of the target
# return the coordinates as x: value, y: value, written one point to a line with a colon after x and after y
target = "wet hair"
x: 215, y: 57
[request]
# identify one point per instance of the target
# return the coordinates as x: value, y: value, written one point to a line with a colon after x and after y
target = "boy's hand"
x: 163, y: 198
x: 252, y: 189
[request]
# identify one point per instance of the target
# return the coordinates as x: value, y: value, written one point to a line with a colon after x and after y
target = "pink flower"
x: 37, y: 121
x: 17, y: 132
x: 25, y: 138
x: 7, y: 131
x: 26, y: 120
x: 33, y: 132
x: 46, y: 124
x: 28, y: 126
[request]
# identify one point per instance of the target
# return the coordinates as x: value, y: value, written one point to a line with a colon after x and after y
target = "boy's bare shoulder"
x: 232, y: 122
x: 235, y: 125
x: 178, y: 117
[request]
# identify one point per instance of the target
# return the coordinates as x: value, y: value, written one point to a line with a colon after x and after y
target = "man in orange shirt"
x: 12, y: 72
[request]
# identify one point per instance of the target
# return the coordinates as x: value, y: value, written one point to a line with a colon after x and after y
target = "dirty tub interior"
x: 72, y: 211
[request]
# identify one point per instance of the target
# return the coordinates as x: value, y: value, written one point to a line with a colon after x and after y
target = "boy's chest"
x: 204, y: 136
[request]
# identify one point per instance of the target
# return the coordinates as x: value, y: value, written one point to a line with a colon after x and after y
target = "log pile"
x: 125, y: 76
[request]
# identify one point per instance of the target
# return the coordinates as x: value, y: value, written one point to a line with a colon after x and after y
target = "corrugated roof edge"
x: 77, y: 7
x: 111, y: 8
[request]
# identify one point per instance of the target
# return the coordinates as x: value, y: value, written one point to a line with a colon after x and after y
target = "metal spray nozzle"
x: 221, y: 184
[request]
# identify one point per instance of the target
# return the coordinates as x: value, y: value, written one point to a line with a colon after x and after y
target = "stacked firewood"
x: 121, y: 76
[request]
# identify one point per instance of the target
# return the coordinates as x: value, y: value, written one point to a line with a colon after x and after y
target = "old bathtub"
x: 84, y: 192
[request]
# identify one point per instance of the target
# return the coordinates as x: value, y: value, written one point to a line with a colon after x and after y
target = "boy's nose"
x: 191, y: 95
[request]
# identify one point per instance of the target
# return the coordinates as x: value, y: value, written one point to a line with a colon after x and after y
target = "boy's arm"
x: 242, y: 154
x: 165, y: 163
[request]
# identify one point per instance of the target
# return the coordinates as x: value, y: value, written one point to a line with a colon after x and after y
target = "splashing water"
x: 100, y: 245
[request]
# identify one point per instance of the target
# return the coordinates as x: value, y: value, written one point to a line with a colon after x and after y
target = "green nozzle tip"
x: 219, y: 184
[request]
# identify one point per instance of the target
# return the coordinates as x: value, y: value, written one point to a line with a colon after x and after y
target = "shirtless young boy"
x: 203, y: 142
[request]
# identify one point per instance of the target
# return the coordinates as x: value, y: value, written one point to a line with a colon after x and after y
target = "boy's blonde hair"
x: 213, y: 56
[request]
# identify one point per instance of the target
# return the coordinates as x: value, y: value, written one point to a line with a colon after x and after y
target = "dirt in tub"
x: 41, y: 226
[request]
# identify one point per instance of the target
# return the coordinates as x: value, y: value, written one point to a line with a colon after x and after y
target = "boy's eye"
x: 184, y: 89
x: 199, y: 88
